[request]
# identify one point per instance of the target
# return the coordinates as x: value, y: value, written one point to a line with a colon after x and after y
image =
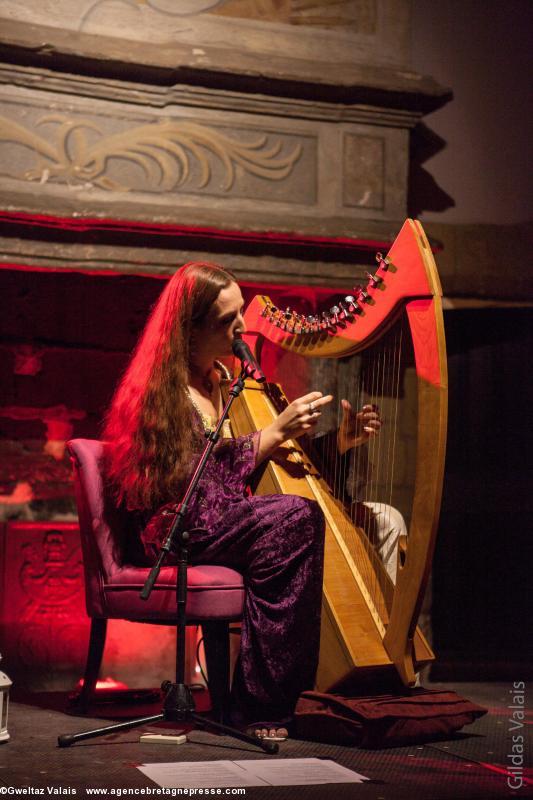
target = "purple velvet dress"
x: 277, y: 543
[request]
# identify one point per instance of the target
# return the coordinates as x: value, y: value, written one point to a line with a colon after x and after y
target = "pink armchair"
x: 215, y: 594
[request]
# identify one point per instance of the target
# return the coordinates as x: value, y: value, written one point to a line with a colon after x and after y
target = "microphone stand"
x: 178, y: 705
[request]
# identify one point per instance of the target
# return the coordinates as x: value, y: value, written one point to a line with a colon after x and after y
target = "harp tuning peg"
x: 272, y: 313
x: 374, y: 280
x: 329, y: 320
x: 383, y: 261
x: 349, y: 304
x: 345, y: 309
x: 277, y: 317
x: 362, y: 294
x: 352, y: 305
x: 298, y: 324
x: 309, y: 323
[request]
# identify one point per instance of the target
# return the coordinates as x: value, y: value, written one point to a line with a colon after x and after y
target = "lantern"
x: 5, y: 683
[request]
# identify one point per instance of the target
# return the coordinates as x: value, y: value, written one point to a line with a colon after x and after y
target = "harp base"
x: 363, y: 681
x: 342, y: 665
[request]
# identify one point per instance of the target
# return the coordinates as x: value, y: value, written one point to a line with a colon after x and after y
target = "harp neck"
x: 407, y: 273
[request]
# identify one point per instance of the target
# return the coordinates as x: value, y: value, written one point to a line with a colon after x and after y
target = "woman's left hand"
x: 357, y: 427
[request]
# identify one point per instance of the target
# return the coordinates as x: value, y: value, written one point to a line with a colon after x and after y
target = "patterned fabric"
x: 277, y: 543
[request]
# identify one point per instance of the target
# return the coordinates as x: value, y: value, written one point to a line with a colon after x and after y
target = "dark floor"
x: 471, y: 765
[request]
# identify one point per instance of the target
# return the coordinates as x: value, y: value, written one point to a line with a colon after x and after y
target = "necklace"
x: 208, y: 422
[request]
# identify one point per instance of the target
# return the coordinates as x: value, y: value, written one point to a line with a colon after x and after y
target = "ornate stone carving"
x: 165, y: 151
x: 45, y: 620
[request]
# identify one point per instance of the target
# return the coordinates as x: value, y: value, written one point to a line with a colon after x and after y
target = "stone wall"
x: 275, y: 137
x: 153, y: 112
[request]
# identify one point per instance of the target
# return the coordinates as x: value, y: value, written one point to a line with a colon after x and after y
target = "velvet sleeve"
x: 236, y: 460
x: 225, y: 477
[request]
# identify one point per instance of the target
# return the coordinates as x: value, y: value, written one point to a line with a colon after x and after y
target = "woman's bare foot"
x: 276, y: 733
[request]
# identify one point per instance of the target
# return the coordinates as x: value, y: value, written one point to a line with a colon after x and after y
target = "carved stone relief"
x: 45, y: 621
x: 164, y: 155
x: 288, y: 173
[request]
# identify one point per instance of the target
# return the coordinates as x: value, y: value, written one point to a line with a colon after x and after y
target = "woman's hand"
x: 357, y: 427
x: 300, y: 415
x: 298, y: 418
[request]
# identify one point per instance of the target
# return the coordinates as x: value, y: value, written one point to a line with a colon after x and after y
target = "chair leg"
x: 217, y: 657
x: 94, y: 661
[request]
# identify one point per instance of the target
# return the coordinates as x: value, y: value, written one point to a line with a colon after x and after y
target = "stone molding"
x: 167, y: 151
x: 313, y: 63
x: 194, y: 165
x: 157, y: 96
x: 142, y: 34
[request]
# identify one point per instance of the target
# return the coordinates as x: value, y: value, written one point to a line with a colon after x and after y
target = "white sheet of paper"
x: 200, y: 775
x: 300, y: 771
x: 233, y: 774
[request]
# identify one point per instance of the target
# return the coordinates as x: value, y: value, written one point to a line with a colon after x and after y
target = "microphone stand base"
x: 178, y: 706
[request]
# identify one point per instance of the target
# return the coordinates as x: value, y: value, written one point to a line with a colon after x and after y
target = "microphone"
x: 248, y: 362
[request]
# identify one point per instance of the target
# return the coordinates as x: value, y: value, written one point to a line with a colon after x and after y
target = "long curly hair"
x: 147, y: 429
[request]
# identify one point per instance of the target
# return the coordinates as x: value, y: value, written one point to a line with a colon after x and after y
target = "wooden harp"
x: 368, y: 622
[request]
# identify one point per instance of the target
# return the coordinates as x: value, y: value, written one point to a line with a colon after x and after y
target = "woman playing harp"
x: 169, y: 396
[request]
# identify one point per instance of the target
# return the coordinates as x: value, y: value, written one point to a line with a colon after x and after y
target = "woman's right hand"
x: 298, y: 418
x: 301, y: 415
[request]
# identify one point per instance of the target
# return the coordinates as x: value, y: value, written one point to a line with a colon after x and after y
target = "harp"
x: 369, y: 622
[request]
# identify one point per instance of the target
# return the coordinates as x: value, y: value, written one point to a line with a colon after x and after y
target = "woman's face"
x: 215, y: 336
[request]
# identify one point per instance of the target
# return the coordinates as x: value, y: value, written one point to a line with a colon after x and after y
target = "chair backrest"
x: 102, y: 525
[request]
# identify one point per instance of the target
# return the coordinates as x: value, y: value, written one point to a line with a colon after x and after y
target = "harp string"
x: 374, y: 459
x: 381, y: 474
x: 380, y: 508
x: 336, y: 464
x: 358, y: 467
x: 359, y: 474
x: 368, y: 379
x: 354, y: 398
x: 399, y: 356
x: 387, y: 546
x: 372, y: 473
x: 377, y: 446
x: 365, y: 477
